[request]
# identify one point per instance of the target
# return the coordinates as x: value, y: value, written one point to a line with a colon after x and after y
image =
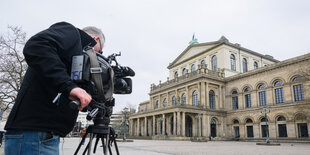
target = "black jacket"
x: 48, y: 55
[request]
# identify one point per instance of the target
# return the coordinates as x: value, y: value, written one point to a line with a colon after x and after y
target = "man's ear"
x: 96, y: 38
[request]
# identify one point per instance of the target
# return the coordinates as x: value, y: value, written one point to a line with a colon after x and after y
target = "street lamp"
x: 266, y: 110
x: 125, y: 111
x: 198, y: 117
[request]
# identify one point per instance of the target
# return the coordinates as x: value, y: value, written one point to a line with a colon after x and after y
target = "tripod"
x: 105, y: 133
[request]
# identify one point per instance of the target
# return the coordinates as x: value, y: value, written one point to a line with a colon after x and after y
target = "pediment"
x: 192, y: 51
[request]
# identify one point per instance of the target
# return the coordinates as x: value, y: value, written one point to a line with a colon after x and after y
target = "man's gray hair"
x: 94, y: 31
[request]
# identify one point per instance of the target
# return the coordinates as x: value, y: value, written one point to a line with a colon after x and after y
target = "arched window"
x: 262, y: 95
x: 298, y: 89
x: 245, y: 65
x: 176, y: 74
x: 165, y: 102
x: 173, y: 100
x: 232, y: 62
x: 236, y: 121
x: 195, y: 98
x: 281, y: 118
x: 184, y: 71
x: 214, y: 63
x: 156, y: 104
x: 247, y: 97
x: 193, y: 68
x: 184, y: 99
x: 255, y: 65
x: 235, y: 100
x: 212, y: 99
x: 249, y: 121
x: 278, y: 91
x: 203, y: 64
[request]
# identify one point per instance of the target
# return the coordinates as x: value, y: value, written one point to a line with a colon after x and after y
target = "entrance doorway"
x: 237, y: 133
x: 302, y: 130
x: 282, y: 130
x: 249, y: 130
x: 213, y: 128
x: 264, y: 130
x: 188, y: 126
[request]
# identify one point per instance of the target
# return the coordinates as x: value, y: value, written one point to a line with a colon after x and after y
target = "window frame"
x: 233, y: 62
x: 214, y: 62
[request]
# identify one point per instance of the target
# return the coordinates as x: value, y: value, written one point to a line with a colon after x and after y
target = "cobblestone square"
x: 157, y: 147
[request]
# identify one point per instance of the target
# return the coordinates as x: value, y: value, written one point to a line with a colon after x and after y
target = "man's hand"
x: 82, y: 95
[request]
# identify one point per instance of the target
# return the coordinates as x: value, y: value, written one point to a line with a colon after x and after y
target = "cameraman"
x: 41, y: 113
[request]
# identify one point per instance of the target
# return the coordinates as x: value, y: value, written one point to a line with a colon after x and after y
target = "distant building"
x: 222, y: 90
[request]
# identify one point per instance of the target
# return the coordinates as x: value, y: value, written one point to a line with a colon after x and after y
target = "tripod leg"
x: 83, y: 139
x: 97, y: 139
x: 116, y: 147
x: 105, y: 143
x: 90, y: 143
x: 86, y: 148
x: 109, y: 147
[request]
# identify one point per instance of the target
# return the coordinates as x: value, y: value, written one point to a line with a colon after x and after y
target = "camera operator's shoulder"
x: 62, y: 34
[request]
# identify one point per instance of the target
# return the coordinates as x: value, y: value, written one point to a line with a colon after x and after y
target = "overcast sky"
x: 152, y: 33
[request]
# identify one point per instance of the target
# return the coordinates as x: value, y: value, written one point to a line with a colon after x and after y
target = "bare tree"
x: 12, y: 65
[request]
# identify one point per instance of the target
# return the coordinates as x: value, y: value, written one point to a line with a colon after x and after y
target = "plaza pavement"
x: 157, y: 147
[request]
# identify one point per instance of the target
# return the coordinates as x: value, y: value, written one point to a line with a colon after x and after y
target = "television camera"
x: 101, y: 77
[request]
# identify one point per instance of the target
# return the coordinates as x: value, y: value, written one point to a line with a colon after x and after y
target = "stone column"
x: 199, y: 127
x: 224, y: 97
x: 272, y: 129
x: 164, y: 125
x: 291, y: 131
x: 177, y: 97
x: 153, y: 125
x: 220, y: 104
x: 179, y: 124
x: 203, y: 94
x: 138, y: 127
x: 207, y: 96
x: 242, y: 130
x: 208, y: 124
x: 168, y: 100
x: 145, y: 126
x: 256, y: 130
x: 199, y: 94
x: 187, y: 95
x: 159, y: 102
x: 204, y: 125
x: 269, y: 97
x: 174, y: 123
x: 130, y: 127
x: 183, y: 124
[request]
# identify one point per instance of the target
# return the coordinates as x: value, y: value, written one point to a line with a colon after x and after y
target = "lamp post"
x: 266, y: 110
x: 198, y: 117
x: 125, y: 111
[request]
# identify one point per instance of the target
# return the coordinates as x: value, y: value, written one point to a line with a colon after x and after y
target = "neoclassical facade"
x: 220, y: 90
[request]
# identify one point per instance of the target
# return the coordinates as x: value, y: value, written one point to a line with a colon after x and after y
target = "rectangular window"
x: 298, y: 92
x: 279, y: 95
x: 235, y: 102
x: 262, y: 98
x: 248, y: 103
